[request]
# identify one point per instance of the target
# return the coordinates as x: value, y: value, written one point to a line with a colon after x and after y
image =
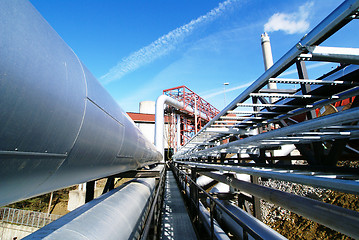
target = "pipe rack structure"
x: 341, y: 84
x: 261, y: 121
x: 59, y: 127
x: 161, y: 102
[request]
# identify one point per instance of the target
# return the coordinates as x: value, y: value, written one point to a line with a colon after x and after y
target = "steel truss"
x: 318, y: 118
x: 294, y: 117
x: 190, y: 122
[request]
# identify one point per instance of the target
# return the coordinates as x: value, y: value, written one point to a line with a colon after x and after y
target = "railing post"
x: 212, y: 207
x: 257, y: 211
x: 194, y: 195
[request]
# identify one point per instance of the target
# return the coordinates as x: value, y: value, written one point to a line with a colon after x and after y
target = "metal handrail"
x: 26, y: 217
x: 215, y: 203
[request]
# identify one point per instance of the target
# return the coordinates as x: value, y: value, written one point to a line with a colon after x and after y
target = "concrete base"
x: 10, y: 231
x: 77, y: 198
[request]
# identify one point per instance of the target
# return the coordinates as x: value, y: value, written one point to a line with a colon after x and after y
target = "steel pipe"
x: 253, y: 223
x: 118, y: 214
x: 341, y: 185
x: 58, y: 125
x: 206, y: 219
x: 340, y: 219
x: 160, y: 116
x: 333, y: 54
x: 350, y: 115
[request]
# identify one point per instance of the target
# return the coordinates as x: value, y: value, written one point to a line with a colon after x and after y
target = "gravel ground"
x: 271, y: 213
x: 294, y: 226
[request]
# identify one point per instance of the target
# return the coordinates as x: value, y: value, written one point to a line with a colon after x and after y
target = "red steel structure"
x: 190, y: 123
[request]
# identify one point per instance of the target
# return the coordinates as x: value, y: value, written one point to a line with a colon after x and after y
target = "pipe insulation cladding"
x: 58, y: 125
x: 118, y: 214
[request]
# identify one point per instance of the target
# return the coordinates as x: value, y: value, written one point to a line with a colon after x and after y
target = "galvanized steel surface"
x: 58, y: 125
x: 317, y: 179
x: 119, y: 214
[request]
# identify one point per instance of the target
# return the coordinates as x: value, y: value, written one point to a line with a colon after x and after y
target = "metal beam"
x: 342, y: 185
x: 318, y: 34
x: 311, y: 82
x: 332, y: 54
x: 333, y: 22
x: 349, y: 115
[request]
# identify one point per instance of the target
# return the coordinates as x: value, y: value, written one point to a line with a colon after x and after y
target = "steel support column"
x: 316, y: 146
x: 110, y: 184
x: 90, y: 191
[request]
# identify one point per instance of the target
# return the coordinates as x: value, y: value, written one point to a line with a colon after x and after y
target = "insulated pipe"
x: 284, y: 151
x: 220, y: 188
x: 342, y: 185
x: 340, y: 219
x: 253, y: 223
x: 204, y: 180
x: 160, y: 118
x: 58, y: 125
x: 118, y: 214
x: 178, y: 130
x: 206, y: 219
x: 332, y: 54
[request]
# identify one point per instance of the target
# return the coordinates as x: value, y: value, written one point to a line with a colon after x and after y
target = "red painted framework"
x: 188, y: 124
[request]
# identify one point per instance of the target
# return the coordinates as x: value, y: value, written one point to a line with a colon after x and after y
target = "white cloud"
x: 162, y: 45
x: 290, y: 23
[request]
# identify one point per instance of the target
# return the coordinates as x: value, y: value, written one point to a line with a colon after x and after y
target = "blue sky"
x: 137, y: 48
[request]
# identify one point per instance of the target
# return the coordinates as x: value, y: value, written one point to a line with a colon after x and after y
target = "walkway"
x: 176, y: 223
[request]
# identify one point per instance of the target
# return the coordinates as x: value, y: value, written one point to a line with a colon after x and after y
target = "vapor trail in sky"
x: 219, y: 92
x: 162, y: 45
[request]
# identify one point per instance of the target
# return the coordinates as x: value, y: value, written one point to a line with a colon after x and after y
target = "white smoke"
x: 292, y: 23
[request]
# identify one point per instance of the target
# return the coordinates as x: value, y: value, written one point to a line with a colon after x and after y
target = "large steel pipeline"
x: 58, y: 125
x: 119, y: 214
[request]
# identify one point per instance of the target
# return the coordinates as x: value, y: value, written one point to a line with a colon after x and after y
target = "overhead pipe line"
x: 160, y: 118
x: 330, y: 183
